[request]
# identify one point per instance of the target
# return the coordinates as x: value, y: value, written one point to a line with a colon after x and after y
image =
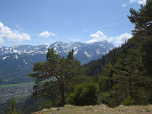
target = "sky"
x: 35, y: 22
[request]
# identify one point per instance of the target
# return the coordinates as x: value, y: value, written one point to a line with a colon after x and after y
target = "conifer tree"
x: 131, y: 85
x: 53, y: 75
x: 143, y: 21
x: 146, y: 53
x: 105, y: 81
x: 122, y: 75
x: 141, y: 82
x: 120, y: 78
x: 12, y: 109
x: 74, y: 72
x: 143, y: 35
x: 113, y: 60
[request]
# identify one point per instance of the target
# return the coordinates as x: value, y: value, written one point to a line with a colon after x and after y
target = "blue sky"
x: 36, y: 22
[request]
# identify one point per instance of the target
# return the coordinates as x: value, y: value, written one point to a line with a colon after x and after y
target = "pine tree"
x: 120, y: 78
x: 55, y: 74
x: 122, y: 75
x: 105, y: 81
x: 141, y: 82
x: 146, y: 52
x: 142, y: 36
x: 12, y: 109
x: 143, y: 22
x: 132, y: 86
x: 113, y: 60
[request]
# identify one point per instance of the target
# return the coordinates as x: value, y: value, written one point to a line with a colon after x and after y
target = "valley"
x: 18, y: 91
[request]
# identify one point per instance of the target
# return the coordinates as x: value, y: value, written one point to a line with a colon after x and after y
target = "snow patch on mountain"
x: 87, y: 54
x: 75, y: 52
x: 25, y: 62
x: 98, y: 51
x: 80, y: 49
x: 16, y: 57
x: 4, y: 57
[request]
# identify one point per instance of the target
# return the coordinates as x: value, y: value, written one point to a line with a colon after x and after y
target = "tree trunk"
x: 130, y: 84
x: 62, y: 94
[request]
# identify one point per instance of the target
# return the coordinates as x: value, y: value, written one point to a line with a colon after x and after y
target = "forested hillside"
x: 124, y: 74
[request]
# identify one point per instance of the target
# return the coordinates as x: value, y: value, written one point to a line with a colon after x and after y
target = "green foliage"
x: 143, y: 36
x: 85, y: 94
x: 12, y: 109
x: 146, y: 50
x: 56, y: 75
x: 104, y: 83
x: 45, y: 105
x: 113, y: 60
x: 3, y: 112
x: 128, y: 101
x: 142, y: 20
x: 125, y: 80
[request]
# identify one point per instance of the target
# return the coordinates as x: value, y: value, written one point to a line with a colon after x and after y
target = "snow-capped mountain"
x: 82, y: 51
x: 17, y: 61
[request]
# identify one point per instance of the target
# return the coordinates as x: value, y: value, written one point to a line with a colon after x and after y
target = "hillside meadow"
x: 98, y: 109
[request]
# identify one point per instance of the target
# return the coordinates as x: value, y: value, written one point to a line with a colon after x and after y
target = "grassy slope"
x: 98, y: 109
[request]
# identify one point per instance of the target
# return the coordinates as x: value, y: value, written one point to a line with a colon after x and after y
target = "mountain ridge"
x: 17, y: 61
x: 87, y: 50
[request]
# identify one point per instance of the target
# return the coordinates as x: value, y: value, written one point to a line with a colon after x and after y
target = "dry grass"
x: 98, y: 109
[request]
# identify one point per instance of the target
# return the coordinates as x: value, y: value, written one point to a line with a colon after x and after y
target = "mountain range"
x: 17, y: 61
x: 82, y: 51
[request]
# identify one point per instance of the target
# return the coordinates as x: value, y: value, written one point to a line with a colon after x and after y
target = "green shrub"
x: 47, y: 105
x: 128, y: 101
x: 85, y: 94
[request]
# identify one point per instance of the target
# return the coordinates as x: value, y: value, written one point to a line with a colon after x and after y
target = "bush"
x: 128, y: 101
x: 47, y: 105
x: 85, y: 94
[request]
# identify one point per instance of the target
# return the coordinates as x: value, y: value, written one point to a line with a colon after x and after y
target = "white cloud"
x: 142, y: 2
x: 99, y: 36
x: 52, y: 34
x: 7, y: 33
x: 46, y: 34
x: 124, y: 4
x: 131, y: 1
x: 120, y: 39
x: 139, y: 1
